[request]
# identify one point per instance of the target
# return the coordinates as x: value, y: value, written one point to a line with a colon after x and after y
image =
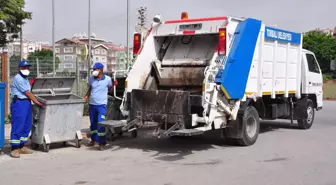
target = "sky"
x: 108, y: 17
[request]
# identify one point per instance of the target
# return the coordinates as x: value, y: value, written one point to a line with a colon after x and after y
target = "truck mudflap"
x: 170, y: 110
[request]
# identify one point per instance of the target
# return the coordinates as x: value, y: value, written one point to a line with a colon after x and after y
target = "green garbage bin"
x: 113, y: 109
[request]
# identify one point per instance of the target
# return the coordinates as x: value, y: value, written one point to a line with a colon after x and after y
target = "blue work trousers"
x: 97, y: 115
x: 21, y: 111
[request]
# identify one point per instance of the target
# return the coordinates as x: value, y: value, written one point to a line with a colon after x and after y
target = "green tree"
x: 45, y: 61
x: 324, y: 47
x: 12, y: 18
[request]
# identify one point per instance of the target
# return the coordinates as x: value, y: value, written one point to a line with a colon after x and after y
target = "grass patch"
x: 329, y: 89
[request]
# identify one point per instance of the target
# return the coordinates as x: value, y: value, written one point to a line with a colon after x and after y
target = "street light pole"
x: 21, y: 43
x: 89, y: 35
x: 127, y: 42
x: 53, y: 37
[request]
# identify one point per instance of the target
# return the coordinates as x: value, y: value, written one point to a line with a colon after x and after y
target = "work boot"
x: 91, y: 144
x: 25, y: 150
x: 15, y: 153
x: 102, y: 146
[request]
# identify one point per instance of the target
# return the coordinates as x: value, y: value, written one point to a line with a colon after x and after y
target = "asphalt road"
x: 283, y: 155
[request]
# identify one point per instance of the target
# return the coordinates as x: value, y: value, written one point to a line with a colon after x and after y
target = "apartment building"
x: 122, y: 58
x: 70, y: 51
x: 14, y: 48
x: 100, y: 54
x: 329, y: 31
x: 107, y: 54
x: 94, y: 41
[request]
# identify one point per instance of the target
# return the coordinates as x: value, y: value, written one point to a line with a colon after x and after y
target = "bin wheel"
x: 34, y: 146
x: 64, y: 144
x: 46, y: 147
x: 120, y: 133
x: 134, y: 133
x: 78, y: 143
x: 110, y: 136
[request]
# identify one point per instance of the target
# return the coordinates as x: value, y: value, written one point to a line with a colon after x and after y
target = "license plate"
x: 191, y: 26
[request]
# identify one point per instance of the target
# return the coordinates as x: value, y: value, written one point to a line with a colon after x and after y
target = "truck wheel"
x: 307, y: 123
x: 251, y: 126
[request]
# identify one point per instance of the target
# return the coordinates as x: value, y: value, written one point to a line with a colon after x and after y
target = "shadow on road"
x: 167, y: 149
x: 176, y: 148
x: 268, y: 126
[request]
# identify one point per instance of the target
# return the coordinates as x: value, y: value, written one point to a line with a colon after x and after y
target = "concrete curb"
x: 330, y: 99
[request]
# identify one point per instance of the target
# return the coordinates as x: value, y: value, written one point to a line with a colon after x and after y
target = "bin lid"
x: 53, y: 85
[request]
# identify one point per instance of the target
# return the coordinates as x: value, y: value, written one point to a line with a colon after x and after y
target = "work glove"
x: 40, y: 104
x: 115, y: 82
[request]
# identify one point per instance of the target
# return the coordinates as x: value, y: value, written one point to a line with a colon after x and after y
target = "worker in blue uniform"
x: 21, y: 111
x: 99, y: 85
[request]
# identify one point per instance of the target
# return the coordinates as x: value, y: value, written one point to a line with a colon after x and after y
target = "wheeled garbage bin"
x: 60, y: 120
x: 2, y: 116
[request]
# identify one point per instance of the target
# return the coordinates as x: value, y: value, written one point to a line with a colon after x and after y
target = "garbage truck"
x: 195, y: 75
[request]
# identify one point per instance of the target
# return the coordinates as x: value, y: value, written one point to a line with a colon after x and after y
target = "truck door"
x: 314, y: 78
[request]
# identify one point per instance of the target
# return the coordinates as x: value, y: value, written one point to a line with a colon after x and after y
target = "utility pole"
x: 53, y: 37
x: 21, y: 43
x: 89, y: 35
x: 37, y: 67
x: 127, y: 37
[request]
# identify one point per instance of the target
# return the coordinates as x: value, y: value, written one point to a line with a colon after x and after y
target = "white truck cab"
x: 312, y: 80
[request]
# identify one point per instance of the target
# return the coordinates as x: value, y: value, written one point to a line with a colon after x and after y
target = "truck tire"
x: 250, y: 127
x: 307, y: 123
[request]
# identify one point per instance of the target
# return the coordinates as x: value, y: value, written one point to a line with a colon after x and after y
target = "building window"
x: 312, y: 64
x: 97, y: 59
x: 97, y: 51
x: 103, y: 59
x: 68, y: 57
x: 57, y: 50
x: 68, y: 66
x: 68, y: 50
x: 103, y: 52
